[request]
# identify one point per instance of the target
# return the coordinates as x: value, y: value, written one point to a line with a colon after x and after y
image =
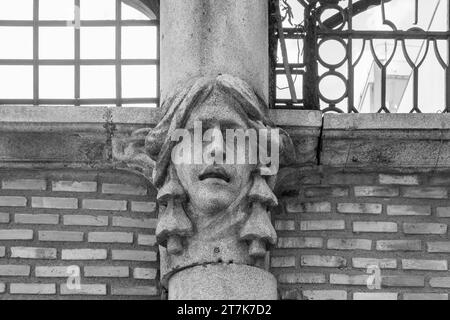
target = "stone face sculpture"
x: 212, y: 212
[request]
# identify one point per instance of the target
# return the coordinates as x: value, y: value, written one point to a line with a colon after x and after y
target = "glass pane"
x: 56, y: 82
x: 16, y: 42
x: 130, y: 13
x: 56, y: 43
x: 56, y: 9
x: 16, y: 82
x: 98, y: 82
x: 139, y: 42
x: 16, y: 9
x: 98, y: 43
x: 98, y: 9
x: 139, y: 81
x: 147, y: 105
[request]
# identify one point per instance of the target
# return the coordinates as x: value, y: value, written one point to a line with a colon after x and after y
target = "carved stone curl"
x: 211, y: 213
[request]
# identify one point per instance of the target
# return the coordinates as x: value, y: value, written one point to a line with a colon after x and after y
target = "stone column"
x: 208, y: 38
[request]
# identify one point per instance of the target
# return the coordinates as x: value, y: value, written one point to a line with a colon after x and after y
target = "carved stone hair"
x: 156, y: 143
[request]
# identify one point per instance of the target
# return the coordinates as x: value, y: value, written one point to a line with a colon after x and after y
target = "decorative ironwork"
x: 326, y: 22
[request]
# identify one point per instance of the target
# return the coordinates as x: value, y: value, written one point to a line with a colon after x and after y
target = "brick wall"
x: 101, y: 222
x: 337, y: 224
x: 331, y: 228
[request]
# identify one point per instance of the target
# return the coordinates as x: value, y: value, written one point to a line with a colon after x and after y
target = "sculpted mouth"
x: 214, y: 173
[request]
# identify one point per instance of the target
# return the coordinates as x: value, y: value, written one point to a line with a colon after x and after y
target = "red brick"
x: 110, y: 237
x: 33, y: 253
x: 4, y: 217
x: 399, y: 245
x: 398, y: 179
x: 377, y: 191
x: 312, y: 192
x: 324, y: 294
x: 425, y: 296
x: 304, y: 278
x: 282, y: 262
x: 134, y: 291
x: 322, y: 225
x: 146, y: 240
x: 24, y: 184
x: 134, y: 223
x: 301, y: 243
x: 425, y: 192
x: 364, y: 263
x: 98, y: 204
x: 139, y: 206
x: 144, y: 273
x: 84, y: 254
x: 125, y: 189
x: 443, y: 212
x: 432, y: 265
x: 52, y: 271
x: 86, y: 289
x: 359, y: 208
x: 61, y: 236
x: 349, y: 280
x: 11, y: 201
x: 83, y: 220
x: 296, y: 206
x: 403, y: 281
x: 36, y: 218
x: 133, y: 255
x: 323, y: 261
x: 375, y: 296
x: 379, y: 227
x: 424, y: 228
x: 349, y: 244
x: 14, y: 270
x: 439, y: 247
x: 32, y: 288
x: 106, y: 272
x: 402, y: 210
x: 74, y: 186
x: 13, y: 234
x: 440, y: 282
x: 54, y: 203
x: 285, y: 225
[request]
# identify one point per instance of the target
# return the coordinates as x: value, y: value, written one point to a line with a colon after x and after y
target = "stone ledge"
x: 81, y: 136
x: 386, y: 140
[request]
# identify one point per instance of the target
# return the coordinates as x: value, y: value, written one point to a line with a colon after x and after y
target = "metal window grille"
x: 334, y: 20
x: 118, y: 62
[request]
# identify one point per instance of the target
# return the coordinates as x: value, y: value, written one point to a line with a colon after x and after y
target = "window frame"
x: 77, y: 62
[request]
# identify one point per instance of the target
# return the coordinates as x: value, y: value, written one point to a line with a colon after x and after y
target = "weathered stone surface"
x: 223, y: 282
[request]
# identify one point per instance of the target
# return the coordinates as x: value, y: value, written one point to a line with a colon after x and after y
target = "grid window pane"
x: 56, y: 82
x: 98, y: 82
x: 56, y: 43
x: 130, y: 13
x: 139, y: 43
x: 56, y: 10
x: 16, y: 9
x: 98, y: 43
x: 16, y: 82
x: 16, y: 42
x: 139, y: 81
x: 98, y: 9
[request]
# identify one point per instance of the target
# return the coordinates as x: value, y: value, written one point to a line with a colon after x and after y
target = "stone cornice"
x: 82, y: 137
x: 386, y: 140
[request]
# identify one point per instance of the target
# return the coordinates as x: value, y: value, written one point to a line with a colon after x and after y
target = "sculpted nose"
x: 216, y: 146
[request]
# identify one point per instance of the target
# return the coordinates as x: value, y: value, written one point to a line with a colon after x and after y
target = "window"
x: 78, y: 53
x: 362, y: 56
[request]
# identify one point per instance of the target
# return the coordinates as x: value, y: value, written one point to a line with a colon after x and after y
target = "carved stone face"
x: 212, y: 188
